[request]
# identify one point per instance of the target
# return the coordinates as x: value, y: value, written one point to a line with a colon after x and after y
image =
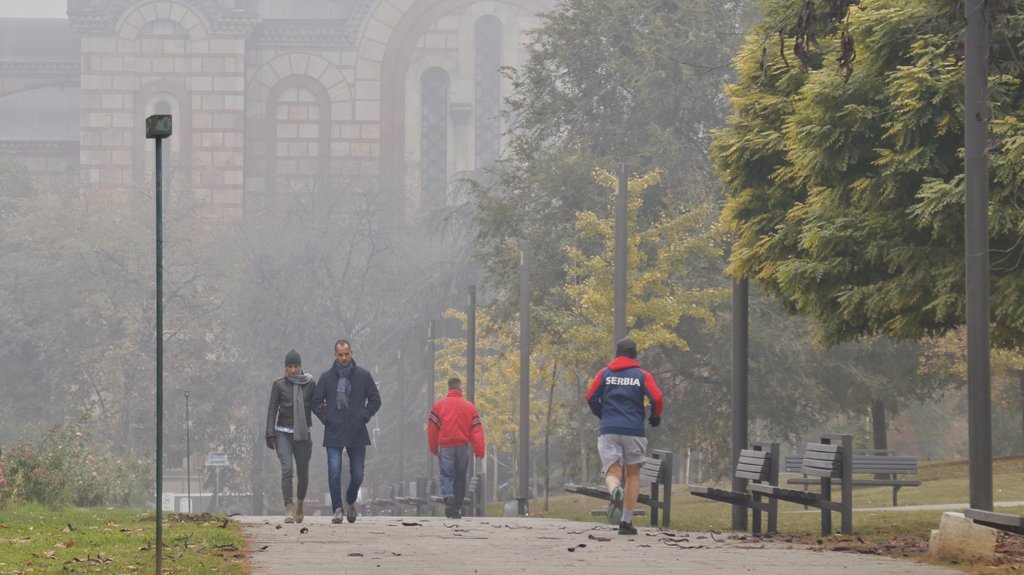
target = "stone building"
x: 267, y: 95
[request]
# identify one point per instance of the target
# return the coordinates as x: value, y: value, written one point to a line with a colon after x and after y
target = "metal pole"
x: 159, y: 358
x: 740, y: 388
x: 399, y: 388
x: 431, y: 392
x: 471, y: 361
x: 976, y: 243
x: 188, y: 457
x: 471, y: 346
x: 524, y: 379
x: 621, y: 255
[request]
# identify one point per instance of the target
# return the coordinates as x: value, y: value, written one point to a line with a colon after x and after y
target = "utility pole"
x: 524, y: 379
x: 976, y: 246
x: 621, y: 255
x: 740, y: 388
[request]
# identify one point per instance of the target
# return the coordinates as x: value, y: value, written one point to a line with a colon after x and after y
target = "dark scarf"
x: 344, y: 385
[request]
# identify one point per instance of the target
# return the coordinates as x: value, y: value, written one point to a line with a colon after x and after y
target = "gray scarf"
x: 301, y: 427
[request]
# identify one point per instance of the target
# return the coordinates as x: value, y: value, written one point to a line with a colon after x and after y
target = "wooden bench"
x: 420, y: 500
x: 657, y: 470
x: 1001, y: 521
x: 473, y: 500
x: 389, y: 501
x: 829, y: 460
x: 883, y: 465
x: 759, y: 464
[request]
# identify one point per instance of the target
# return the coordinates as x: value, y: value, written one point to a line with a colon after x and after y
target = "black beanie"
x: 292, y: 358
x: 626, y: 347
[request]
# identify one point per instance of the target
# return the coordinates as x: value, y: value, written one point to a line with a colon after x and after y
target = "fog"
x: 33, y: 9
x: 346, y: 169
x: 279, y: 232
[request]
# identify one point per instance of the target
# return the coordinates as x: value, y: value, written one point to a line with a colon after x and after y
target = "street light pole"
x: 158, y: 127
x: 621, y: 255
x: 524, y: 379
x: 188, y: 458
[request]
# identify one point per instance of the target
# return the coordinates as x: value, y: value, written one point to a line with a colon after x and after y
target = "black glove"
x: 655, y: 421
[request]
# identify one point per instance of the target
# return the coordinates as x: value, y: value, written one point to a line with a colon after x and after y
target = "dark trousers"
x: 288, y: 449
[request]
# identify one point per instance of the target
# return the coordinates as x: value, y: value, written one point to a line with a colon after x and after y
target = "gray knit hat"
x: 292, y: 358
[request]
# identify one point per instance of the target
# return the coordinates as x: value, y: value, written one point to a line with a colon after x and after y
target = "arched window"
x: 487, y: 108
x: 299, y: 117
x: 434, y: 138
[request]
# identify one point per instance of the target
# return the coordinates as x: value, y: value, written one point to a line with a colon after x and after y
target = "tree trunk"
x: 878, y: 426
x: 879, y: 430
x: 1020, y: 376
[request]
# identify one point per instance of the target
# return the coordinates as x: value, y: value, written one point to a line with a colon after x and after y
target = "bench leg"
x: 895, y: 490
x: 654, y: 507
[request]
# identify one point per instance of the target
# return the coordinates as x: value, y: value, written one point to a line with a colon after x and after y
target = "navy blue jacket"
x: 346, y: 427
x: 617, y: 396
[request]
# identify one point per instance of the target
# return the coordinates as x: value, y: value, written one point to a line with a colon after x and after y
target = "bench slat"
x: 792, y: 495
x: 725, y: 495
x: 758, y: 476
x: 1003, y: 521
x: 859, y: 482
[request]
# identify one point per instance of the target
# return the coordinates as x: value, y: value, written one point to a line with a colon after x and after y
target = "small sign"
x: 217, y: 460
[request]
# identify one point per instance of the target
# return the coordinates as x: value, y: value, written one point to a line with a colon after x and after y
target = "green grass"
x: 942, y: 483
x: 887, y: 531
x: 35, y: 539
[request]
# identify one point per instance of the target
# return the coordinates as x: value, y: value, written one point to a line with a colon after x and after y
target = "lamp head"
x: 158, y: 126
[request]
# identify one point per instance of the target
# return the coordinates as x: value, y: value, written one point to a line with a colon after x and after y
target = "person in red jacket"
x: 452, y: 428
x: 617, y: 396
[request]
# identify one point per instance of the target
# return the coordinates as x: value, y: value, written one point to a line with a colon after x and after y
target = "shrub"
x: 64, y: 467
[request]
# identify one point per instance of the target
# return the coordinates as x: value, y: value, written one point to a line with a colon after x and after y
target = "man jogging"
x: 617, y: 396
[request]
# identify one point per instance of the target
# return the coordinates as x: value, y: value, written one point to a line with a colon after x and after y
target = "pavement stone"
x: 537, y: 546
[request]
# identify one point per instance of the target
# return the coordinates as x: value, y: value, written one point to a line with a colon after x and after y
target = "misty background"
x: 346, y: 231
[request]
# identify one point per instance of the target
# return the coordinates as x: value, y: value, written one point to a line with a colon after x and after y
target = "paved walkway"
x: 511, y: 545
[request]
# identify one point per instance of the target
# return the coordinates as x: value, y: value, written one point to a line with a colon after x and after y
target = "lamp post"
x: 188, y: 458
x: 524, y: 378
x: 621, y: 255
x: 158, y: 127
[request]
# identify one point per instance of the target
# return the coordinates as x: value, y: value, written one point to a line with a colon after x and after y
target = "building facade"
x: 268, y: 96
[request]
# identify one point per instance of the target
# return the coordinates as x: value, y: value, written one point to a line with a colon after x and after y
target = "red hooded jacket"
x: 453, y: 422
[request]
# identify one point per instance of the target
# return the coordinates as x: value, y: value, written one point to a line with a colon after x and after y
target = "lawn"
x: 886, y: 531
x: 34, y: 539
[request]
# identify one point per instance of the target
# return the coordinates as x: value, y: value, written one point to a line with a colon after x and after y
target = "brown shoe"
x: 299, y: 516
x: 289, y: 513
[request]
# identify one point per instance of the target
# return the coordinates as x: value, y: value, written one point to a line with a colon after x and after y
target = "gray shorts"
x: 620, y: 448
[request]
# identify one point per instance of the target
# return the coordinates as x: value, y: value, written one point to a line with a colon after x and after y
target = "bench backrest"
x: 822, y: 460
x: 474, y: 484
x: 651, y: 471
x: 754, y: 465
x: 900, y: 464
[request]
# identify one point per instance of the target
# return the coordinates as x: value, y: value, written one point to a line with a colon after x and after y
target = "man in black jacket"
x: 346, y: 397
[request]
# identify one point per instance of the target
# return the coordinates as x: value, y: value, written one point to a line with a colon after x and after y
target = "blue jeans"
x: 356, y: 462
x: 453, y: 464
x: 288, y: 448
